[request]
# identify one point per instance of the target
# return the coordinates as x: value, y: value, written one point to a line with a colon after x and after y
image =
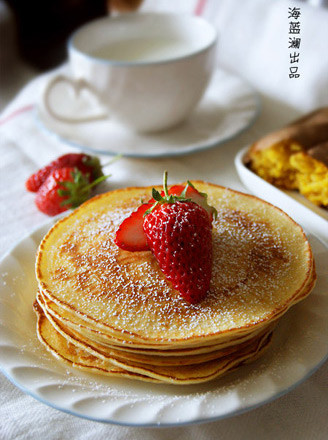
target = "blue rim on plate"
x: 167, y: 425
x: 237, y: 381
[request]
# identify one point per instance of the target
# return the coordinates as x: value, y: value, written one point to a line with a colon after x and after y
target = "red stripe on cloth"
x: 200, y: 6
x: 16, y: 113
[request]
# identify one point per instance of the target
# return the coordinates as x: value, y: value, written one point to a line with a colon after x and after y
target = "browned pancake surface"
x: 262, y: 261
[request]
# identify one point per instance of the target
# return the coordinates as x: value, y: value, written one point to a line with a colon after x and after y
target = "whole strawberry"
x: 179, y: 235
x: 64, y: 188
x: 88, y: 165
x: 176, y: 225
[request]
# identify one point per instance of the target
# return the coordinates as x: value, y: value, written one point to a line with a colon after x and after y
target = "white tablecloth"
x: 254, y: 43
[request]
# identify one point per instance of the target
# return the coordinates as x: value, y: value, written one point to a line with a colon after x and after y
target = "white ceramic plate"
x: 310, y: 216
x: 229, y: 106
x: 300, y: 346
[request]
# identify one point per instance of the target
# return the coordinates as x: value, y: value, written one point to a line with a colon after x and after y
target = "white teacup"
x: 148, y: 70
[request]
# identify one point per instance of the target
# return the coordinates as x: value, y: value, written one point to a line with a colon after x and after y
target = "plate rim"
x: 234, y: 413
x: 41, y: 229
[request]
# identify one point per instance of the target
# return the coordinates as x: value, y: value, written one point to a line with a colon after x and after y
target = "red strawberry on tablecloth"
x: 64, y: 188
x: 88, y: 165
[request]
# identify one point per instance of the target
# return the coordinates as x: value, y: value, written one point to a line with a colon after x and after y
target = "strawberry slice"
x: 130, y: 235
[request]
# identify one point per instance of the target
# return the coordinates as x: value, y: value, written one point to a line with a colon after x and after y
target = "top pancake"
x: 262, y: 263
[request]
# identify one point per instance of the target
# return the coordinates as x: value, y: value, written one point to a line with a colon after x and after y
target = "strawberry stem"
x: 114, y: 159
x: 78, y: 190
x: 166, y: 192
x: 173, y: 198
x: 95, y: 182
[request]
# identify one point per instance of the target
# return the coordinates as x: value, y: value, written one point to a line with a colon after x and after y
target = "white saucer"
x: 229, y: 106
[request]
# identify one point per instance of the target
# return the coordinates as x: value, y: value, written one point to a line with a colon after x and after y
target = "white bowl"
x: 310, y: 216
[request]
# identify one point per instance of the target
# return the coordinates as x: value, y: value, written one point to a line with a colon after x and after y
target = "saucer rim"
x: 190, y: 149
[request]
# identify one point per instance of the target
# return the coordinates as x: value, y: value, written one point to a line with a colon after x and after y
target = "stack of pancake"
x: 109, y: 311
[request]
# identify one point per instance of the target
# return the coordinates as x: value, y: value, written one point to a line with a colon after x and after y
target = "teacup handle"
x: 77, y: 85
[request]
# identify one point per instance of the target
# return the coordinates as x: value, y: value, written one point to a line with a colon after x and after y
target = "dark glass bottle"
x: 43, y: 27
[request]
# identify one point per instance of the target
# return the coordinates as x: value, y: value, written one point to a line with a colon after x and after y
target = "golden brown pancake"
x: 154, y: 358
x: 80, y: 358
x: 119, y: 307
x: 72, y: 322
x: 72, y: 355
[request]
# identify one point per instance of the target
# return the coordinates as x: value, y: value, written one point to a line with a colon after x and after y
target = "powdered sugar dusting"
x: 252, y: 265
x: 299, y: 344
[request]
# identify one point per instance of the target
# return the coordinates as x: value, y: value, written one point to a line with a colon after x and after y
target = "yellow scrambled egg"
x: 287, y: 166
